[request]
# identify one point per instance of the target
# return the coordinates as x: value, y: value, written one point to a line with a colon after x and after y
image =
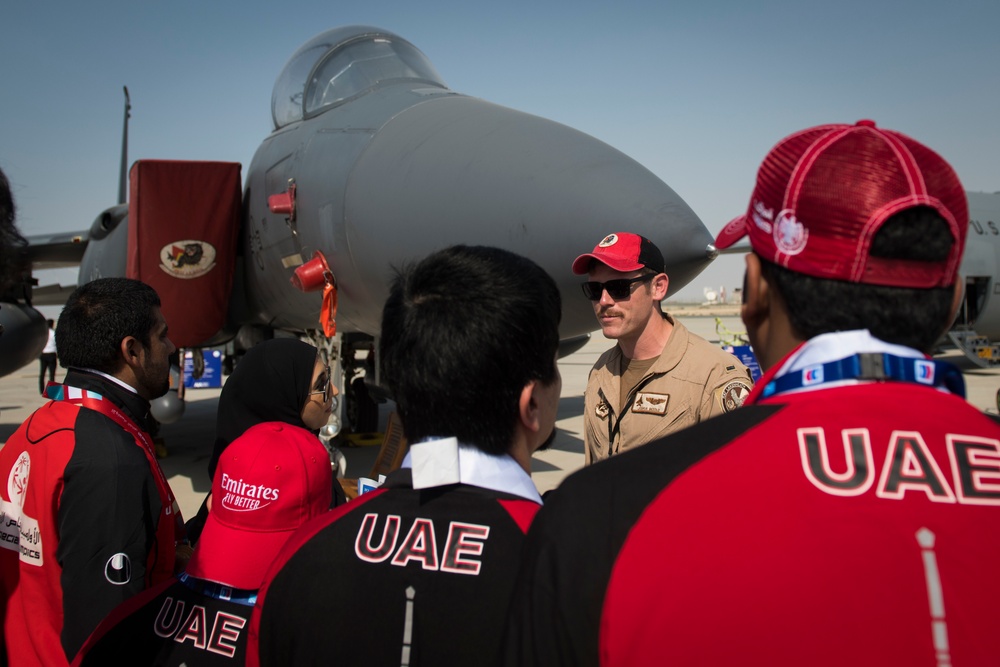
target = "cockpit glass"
x: 286, y: 100
x: 340, y: 64
x: 364, y: 64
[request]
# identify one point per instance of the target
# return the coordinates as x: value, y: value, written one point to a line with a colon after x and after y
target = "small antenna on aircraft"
x: 123, y: 175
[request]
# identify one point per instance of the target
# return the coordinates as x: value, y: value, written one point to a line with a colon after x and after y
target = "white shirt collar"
x: 111, y: 378
x: 447, y: 461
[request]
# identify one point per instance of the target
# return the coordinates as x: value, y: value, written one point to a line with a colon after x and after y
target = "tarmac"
x: 189, y: 440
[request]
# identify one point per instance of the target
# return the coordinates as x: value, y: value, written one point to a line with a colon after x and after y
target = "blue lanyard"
x: 872, y: 366
x: 218, y: 591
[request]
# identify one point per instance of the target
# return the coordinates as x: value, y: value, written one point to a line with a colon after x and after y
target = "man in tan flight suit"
x: 660, y: 377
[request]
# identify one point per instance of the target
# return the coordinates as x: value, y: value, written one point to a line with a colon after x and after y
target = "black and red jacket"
x: 182, y: 621
x: 398, y: 574
x: 846, y: 525
x: 90, y: 532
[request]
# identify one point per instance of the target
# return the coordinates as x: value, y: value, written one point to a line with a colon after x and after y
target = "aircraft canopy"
x: 343, y: 63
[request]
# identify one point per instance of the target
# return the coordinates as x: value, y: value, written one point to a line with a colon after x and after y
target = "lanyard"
x: 872, y: 366
x: 94, y: 401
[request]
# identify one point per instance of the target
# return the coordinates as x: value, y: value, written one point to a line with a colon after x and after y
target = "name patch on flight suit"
x: 652, y: 404
x: 733, y: 395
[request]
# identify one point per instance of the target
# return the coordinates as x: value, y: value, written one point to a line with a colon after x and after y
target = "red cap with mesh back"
x: 824, y: 192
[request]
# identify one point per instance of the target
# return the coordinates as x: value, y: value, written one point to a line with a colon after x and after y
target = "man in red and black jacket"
x: 850, y: 512
x: 88, y: 517
x: 419, y: 571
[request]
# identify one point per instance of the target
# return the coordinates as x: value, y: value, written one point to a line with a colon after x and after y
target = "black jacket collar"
x: 135, y: 406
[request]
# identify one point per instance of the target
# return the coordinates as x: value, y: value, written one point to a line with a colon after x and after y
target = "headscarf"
x: 271, y: 383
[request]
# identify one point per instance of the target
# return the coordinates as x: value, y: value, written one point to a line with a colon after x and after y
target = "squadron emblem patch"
x: 188, y: 258
x: 733, y: 394
x: 602, y: 410
x: 652, y: 404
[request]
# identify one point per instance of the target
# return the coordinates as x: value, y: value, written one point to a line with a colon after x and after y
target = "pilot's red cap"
x: 622, y: 252
x: 823, y: 193
x: 269, y: 481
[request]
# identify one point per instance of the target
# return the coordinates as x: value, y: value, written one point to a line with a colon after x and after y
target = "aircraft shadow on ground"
x: 569, y: 407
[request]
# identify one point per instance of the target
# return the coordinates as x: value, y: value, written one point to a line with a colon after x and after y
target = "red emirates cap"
x: 823, y: 193
x: 269, y: 481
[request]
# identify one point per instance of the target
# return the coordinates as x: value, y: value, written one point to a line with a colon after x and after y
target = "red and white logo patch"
x: 790, y: 235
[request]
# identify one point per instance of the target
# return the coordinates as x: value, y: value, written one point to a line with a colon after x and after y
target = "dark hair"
x: 463, y: 332
x: 13, y: 260
x: 98, y: 316
x: 904, y: 316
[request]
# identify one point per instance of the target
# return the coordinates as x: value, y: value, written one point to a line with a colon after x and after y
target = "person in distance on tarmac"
x: 47, y: 362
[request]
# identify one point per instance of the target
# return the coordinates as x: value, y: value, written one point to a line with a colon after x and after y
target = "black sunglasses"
x: 327, y: 388
x: 617, y: 289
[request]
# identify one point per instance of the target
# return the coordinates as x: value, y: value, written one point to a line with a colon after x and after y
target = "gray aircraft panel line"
x: 189, y: 441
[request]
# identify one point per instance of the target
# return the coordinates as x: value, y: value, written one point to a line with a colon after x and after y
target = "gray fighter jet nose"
x: 454, y: 169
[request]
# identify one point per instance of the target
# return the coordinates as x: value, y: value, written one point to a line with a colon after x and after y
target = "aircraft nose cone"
x: 456, y: 169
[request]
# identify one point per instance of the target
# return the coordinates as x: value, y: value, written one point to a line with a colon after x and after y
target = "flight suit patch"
x: 733, y: 395
x: 602, y: 410
x: 652, y: 404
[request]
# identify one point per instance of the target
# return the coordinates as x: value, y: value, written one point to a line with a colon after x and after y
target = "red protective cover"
x: 183, y: 220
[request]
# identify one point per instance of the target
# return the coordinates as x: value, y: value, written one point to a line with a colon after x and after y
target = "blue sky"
x: 695, y: 91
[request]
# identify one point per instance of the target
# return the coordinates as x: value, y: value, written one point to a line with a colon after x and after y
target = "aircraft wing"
x: 57, y: 251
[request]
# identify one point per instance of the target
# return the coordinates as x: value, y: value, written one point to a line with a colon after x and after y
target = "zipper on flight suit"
x: 614, y: 425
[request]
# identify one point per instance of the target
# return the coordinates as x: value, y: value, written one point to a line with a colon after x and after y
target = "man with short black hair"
x: 420, y: 570
x: 88, y: 519
x: 849, y: 512
x: 660, y: 377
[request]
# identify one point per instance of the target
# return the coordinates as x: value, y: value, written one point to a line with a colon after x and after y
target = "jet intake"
x: 24, y: 336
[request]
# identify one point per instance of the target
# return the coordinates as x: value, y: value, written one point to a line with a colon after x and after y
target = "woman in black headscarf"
x: 281, y: 379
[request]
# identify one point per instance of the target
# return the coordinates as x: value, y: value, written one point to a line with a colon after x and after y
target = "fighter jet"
x: 373, y: 162
x: 977, y: 328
